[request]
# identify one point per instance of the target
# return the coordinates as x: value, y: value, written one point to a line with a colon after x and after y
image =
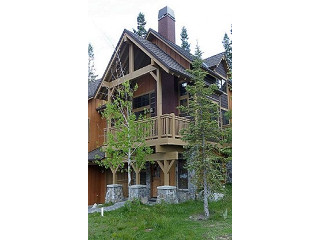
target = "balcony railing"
x: 166, y: 126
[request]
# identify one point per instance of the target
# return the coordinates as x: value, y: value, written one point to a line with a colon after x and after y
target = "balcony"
x: 164, y: 130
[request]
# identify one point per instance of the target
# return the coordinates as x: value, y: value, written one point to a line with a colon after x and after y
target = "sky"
x: 206, y: 22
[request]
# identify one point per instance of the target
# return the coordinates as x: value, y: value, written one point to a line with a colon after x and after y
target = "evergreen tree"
x: 227, y: 44
x: 203, y: 135
x: 91, y: 69
x: 184, y: 39
x: 141, y: 22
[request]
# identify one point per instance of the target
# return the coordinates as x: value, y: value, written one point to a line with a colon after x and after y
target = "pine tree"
x: 203, y: 134
x: 141, y: 22
x: 91, y: 69
x: 227, y: 44
x: 184, y: 39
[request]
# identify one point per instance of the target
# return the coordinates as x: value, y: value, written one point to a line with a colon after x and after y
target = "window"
x: 225, y: 120
x: 222, y: 84
x: 182, y: 174
x: 141, y: 101
x: 182, y: 89
x: 183, y: 97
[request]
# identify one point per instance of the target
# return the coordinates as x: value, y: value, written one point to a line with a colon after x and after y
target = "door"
x: 155, y: 178
x: 96, y: 184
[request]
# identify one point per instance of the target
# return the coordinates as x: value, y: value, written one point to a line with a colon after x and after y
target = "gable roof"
x: 190, y: 57
x: 93, y: 87
x: 214, y: 60
x: 159, y: 54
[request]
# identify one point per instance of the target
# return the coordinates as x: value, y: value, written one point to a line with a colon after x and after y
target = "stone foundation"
x: 167, y: 194
x: 114, y: 193
x: 183, y: 195
x: 138, y: 192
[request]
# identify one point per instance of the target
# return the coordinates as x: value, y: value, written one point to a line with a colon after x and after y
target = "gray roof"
x: 95, y: 154
x: 180, y: 50
x: 93, y: 87
x: 214, y: 60
x: 159, y: 54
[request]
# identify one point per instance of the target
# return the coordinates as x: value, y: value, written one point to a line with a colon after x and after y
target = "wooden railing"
x: 164, y: 126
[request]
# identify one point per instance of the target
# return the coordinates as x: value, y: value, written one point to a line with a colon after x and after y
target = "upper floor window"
x: 182, y: 89
x: 222, y: 84
x: 141, y: 101
x: 225, y: 120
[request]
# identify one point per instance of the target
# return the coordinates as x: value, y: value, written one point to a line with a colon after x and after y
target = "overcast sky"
x: 206, y: 21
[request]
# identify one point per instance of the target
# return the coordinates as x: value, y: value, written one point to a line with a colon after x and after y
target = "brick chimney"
x: 166, y: 24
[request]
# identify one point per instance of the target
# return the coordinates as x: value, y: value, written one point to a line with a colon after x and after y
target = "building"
x: 158, y: 66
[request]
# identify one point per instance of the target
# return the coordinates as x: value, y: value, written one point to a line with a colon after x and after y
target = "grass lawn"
x: 164, y: 221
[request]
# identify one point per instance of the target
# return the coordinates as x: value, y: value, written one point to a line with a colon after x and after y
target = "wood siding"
x: 170, y: 94
x: 224, y: 101
x: 172, y: 53
x: 96, y: 125
x: 96, y: 184
x: 221, y: 69
x: 146, y: 84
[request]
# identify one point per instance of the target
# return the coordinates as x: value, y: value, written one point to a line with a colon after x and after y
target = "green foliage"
x: 203, y: 135
x: 141, y: 22
x: 167, y: 221
x: 91, y: 69
x: 127, y: 141
x: 227, y: 44
x: 184, y: 39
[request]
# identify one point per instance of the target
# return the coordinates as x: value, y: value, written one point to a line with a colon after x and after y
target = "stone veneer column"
x: 114, y: 193
x: 138, y: 192
x: 167, y: 194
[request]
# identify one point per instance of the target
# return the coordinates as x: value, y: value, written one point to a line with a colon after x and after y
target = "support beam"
x: 114, y: 174
x: 131, y: 58
x: 159, y: 93
x: 165, y: 167
x: 137, y: 171
x: 163, y: 156
x: 135, y: 74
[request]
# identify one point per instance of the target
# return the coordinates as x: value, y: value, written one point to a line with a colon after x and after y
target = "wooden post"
x: 137, y: 171
x: 166, y: 173
x: 114, y: 175
x: 137, y: 177
x: 159, y: 126
x: 166, y: 166
x: 131, y: 58
x: 159, y: 94
x: 173, y: 125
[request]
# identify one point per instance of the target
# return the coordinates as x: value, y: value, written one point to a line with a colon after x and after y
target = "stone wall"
x: 183, y: 195
x: 167, y: 194
x: 138, y: 192
x: 114, y: 193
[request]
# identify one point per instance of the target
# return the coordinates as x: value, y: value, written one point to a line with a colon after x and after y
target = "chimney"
x: 166, y: 24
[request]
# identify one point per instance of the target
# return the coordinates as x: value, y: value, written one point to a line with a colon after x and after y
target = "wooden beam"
x: 163, y: 156
x: 114, y: 174
x: 161, y: 165
x: 159, y: 93
x: 138, y: 73
x: 148, y: 54
x: 131, y: 58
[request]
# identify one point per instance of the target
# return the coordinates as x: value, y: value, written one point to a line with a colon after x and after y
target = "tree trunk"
x: 205, y: 195
x: 129, y: 169
x: 205, y: 186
